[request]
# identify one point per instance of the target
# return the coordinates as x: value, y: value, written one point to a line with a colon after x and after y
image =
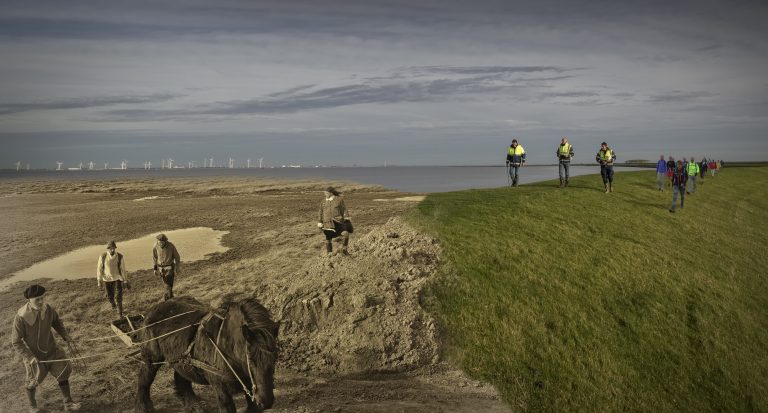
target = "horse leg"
x: 187, y: 395
x: 147, y: 373
x: 226, y: 404
x: 252, y: 407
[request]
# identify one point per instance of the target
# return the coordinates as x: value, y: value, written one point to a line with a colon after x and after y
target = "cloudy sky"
x: 366, y: 81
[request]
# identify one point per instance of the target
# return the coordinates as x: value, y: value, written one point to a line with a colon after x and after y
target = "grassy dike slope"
x: 579, y: 300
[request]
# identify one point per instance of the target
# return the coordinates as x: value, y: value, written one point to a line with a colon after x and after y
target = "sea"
x: 415, y: 179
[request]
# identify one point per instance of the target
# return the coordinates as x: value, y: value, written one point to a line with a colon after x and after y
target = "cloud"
x: 86, y: 102
x: 398, y: 88
x: 678, y: 96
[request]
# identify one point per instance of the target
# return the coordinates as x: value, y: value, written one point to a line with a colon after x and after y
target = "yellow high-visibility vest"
x: 565, y: 150
x: 518, y: 150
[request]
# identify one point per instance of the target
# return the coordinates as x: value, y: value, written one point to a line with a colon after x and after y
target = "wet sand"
x: 274, y: 254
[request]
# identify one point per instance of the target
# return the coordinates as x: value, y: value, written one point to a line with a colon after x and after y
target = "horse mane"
x: 259, y: 322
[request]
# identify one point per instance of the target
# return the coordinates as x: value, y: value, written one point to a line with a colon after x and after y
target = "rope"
x: 140, y: 328
x: 245, y: 389
x: 116, y: 349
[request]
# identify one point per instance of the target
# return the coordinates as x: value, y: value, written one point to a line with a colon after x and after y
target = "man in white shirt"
x: 111, y: 270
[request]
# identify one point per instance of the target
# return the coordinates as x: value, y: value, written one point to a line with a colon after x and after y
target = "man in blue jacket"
x: 661, y: 172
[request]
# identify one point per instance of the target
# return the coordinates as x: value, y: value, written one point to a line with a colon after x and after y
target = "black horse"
x: 233, y: 349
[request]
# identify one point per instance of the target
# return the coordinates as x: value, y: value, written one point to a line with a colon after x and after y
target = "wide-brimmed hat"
x: 111, y: 245
x: 34, y: 291
x: 162, y: 237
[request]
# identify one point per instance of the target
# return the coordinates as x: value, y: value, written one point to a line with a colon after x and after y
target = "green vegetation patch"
x: 573, y: 299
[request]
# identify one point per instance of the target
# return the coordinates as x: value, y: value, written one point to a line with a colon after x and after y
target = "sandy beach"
x: 353, y: 336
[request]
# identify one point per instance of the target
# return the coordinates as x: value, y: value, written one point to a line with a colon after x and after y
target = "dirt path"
x: 353, y: 335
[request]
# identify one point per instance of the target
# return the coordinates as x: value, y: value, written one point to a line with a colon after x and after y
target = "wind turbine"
x: 106, y: 165
x: 18, y: 166
x: 249, y: 163
x: 170, y: 163
x: 124, y: 164
x: 90, y: 165
x: 211, y: 164
x: 260, y: 159
x: 189, y: 164
x: 58, y: 165
x: 231, y: 163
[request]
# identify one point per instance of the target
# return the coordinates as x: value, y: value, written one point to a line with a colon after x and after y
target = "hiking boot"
x: 672, y: 211
x: 566, y: 182
x: 561, y: 183
x: 610, y: 186
x: 606, y: 188
x: 71, y: 406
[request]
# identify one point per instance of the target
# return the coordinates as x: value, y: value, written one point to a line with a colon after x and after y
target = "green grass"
x: 577, y: 300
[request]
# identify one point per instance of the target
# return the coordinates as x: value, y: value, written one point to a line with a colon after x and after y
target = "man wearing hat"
x: 111, y: 270
x: 33, y: 340
x: 334, y: 220
x: 167, y: 263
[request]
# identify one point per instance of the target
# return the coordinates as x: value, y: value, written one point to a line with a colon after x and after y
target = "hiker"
x: 33, y: 340
x: 703, y: 169
x: 167, y: 263
x: 693, y: 170
x: 515, y: 159
x: 334, y: 220
x: 661, y: 172
x: 564, y: 155
x: 606, y: 156
x: 670, y: 170
x: 679, y: 178
x: 111, y: 270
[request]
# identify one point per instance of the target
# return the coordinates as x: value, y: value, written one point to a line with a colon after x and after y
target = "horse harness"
x: 188, y: 355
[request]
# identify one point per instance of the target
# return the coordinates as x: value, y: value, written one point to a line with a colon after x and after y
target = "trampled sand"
x: 353, y: 334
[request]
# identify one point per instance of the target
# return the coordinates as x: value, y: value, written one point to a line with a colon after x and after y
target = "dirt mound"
x: 361, y: 312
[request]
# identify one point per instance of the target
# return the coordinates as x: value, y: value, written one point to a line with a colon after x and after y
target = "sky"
x: 368, y: 82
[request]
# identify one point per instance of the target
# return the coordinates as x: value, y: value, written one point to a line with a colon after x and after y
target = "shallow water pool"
x: 193, y: 244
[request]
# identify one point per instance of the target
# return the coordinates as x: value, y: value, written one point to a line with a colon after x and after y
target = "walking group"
x: 682, y: 176
x: 605, y: 157
x: 34, y: 323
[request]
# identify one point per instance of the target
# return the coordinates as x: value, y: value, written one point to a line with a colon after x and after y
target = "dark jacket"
x: 679, y: 177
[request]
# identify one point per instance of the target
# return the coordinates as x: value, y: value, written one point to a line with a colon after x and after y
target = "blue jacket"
x: 661, y: 166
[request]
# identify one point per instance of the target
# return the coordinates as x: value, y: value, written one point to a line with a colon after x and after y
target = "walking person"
x: 33, y: 340
x: 703, y: 169
x: 712, y: 166
x: 167, y: 263
x: 334, y: 220
x: 679, y: 178
x: 606, y: 157
x: 564, y: 156
x: 693, y: 171
x: 111, y: 270
x: 515, y: 159
x: 661, y: 173
x: 670, y: 170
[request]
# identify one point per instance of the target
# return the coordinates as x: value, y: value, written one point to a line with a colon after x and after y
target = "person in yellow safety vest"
x: 606, y: 156
x: 515, y: 159
x: 693, y: 170
x: 564, y: 155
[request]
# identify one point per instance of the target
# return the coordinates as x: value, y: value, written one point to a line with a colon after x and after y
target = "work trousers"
x: 168, y: 276
x: 606, y: 171
x: 675, y: 190
x: 564, y: 170
x: 691, y: 183
x: 660, y: 179
x: 60, y: 370
x: 513, y: 173
x: 111, y: 288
